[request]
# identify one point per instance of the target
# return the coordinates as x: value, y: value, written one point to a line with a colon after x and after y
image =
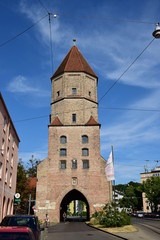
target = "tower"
x: 74, y: 169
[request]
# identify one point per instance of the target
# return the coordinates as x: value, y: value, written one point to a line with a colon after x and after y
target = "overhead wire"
x: 126, y: 70
x: 21, y: 33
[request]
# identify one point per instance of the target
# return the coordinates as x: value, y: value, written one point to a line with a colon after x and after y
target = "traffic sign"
x: 17, y: 195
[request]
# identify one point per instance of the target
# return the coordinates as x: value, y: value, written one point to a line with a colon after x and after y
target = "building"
x: 144, y: 176
x: 9, y: 143
x: 74, y: 168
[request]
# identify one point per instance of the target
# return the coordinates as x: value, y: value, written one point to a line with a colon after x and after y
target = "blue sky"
x: 110, y: 34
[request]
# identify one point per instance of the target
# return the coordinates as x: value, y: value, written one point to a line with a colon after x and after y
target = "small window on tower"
x: 74, y: 117
x: 89, y: 93
x: 63, y: 152
x: 85, y: 164
x: 85, y: 152
x: 74, y: 164
x: 74, y: 90
x: 63, y: 164
x: 58, y: 93
x: 63, y: 139
x: 84, y: 139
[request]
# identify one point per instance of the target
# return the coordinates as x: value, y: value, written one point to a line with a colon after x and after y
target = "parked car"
x: 16, y: 233
x: 140, y: 214
x: 24, y: 220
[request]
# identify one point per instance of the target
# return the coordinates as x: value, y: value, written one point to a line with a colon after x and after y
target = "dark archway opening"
x: 78, y: 197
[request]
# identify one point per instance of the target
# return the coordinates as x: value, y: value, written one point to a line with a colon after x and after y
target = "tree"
x: 25, y: 185
x: 151, y: 187
x: 21, y: 187
x: 132, y: 196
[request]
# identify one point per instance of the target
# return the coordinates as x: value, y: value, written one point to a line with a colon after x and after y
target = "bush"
x: 111, y: 217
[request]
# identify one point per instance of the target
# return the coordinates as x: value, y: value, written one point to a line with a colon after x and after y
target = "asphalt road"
x: 151, y: 224
x: 76, y: 231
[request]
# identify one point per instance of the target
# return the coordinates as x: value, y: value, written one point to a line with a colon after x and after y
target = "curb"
x: 106, y: 232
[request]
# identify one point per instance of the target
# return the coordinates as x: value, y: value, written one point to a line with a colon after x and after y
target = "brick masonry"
x: 53, y: 182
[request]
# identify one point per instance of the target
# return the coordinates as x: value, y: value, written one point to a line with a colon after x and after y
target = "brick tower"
x: 74, y: 169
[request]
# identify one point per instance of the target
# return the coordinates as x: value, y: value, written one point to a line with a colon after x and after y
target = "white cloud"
x: 20, y: 84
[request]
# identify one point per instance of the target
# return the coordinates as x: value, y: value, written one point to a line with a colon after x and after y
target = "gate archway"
x: 68, y: 198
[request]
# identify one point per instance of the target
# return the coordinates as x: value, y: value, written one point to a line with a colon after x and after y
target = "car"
x: 140, y: 214
x: 30, y: 221
x: 16, y: 233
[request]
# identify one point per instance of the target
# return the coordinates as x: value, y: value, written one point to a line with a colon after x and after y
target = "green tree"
x: 21, y: 186
x: 32, y: 167
x: 151, y: 187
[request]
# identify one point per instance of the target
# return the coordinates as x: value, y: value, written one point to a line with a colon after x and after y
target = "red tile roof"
x: 74, y: 62
x: 56, y: 122
x: 32, y: 182
x: 92, y: 122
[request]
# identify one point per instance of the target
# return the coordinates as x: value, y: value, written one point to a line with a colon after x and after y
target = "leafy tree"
x: 21, y: 187
x: 24, y: 176
x: 151, y: 187
x: 132, y: 196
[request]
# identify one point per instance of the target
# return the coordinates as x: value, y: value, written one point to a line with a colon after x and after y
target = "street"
x: 76, y: 230
x: 147, y: 229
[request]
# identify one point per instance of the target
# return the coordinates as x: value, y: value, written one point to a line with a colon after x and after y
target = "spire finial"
x: 74, y: 42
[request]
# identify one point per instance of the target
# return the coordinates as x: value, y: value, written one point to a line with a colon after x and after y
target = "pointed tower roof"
x: 56, y: 122
x: 92, y: 122
x: 74, y: 62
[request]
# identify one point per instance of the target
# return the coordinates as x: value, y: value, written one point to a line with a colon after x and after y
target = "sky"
x: 115, y: 37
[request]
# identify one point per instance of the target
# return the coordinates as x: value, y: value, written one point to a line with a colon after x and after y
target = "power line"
x: 126, y: 69
x: 21, y: 33
x: 80, y: 109
x: 43, y: 6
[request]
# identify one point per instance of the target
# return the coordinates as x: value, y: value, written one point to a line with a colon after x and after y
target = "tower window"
x: 84, y: 139
x: 74, y: 117
x: 63, y: 152
x: 85, y: 164
x: 74, y: 164
x: 89, y: 93
x: 58, y: 93
x: 85, y: 152
x: 63, y: 164
x: 63, y: 139
x: 74, y: 90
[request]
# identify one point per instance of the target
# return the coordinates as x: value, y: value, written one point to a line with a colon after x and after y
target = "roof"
x: 32, y: 182
x: 92, y: 122
x: 56, y: 122
x: 74, y: 62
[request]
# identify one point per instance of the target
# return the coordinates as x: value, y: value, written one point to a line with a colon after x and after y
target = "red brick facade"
x: 74, y: 169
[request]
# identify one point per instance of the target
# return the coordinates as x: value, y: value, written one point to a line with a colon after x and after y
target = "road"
x: 76, y: 230
x: 151, y: 224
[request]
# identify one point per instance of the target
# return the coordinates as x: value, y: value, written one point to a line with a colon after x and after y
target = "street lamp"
x: 156, y: 32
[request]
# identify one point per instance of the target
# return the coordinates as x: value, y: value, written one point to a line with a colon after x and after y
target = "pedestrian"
x: 64, y: 216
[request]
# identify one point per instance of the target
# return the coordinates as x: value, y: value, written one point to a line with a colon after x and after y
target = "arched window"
x: 85, y: 152
x: 84, y: 139
x: 63, y: 139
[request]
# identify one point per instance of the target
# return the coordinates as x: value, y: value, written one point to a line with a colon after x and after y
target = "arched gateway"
x: 74, y: 168
x: 72, y: 196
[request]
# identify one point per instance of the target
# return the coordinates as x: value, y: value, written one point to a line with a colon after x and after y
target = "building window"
x: 63, y: 152
x: 5, y: 124
x: 74, y: 91
x: 85, y: 164
x: 74, y: 117
x: 13, y: 142
x: 63, y: 164
x: 89, y: 93
x: 74, y: 164
x: 0, y: 170
x: 85, y: 152
x: 3, y: 144
x: 7, y: 153
x: 9, y: 135
x: 10, y: 180
x: 84, y: 139
x: 58, y: 93
x: 6, y: 175
x: 63, y: 139
x: 12, y: 161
